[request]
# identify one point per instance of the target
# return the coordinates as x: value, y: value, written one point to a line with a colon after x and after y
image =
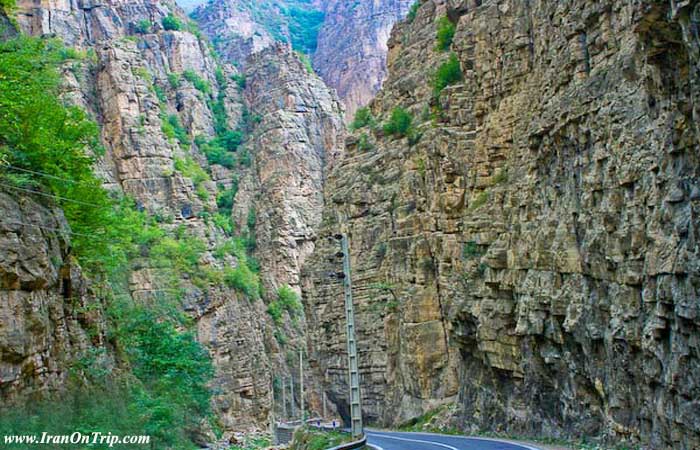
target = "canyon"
x: 519, y: 187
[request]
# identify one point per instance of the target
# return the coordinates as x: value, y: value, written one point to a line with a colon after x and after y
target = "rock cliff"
x: 529, y: 251
x: 158, y: 95
x: 49, y: 318
x: 347, y: 41
x: 352, y: 47
x: 167, y: 104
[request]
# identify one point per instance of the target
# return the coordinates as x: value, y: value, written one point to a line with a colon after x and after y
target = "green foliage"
x: 287, y: 300
x: 400, y: 123
x: 479, y: 201
x: 445, y: 33
x: 364, y: 144
x: 173, y: 129
x: 198, y: 82
x: 304, y: 25
x: 243, y: 279
x: 173, y: 370
x: 225, y: 198
x: 310, y: 439
x: 448, y: 73
x: 363, y: 118
x: 162, y: 389
x: 174, y: 80
x: 144, y: 74
x: 305, y: 61
x: 471, y: 250
x: 7, y: 6
x: 240, y: 80
x: 171, y: 23
x: 190, y: 169
x: 143, y: 26
x: 160, y: 93
x: 70, y: 53
x: 413, y: 11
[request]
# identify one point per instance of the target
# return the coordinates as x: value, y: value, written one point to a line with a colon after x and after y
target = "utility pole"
x: 301, y: 384
x: 354, y: 381
x: 324, y: 406
x: 284, y: 400
x: 272, y: 413
x: 291, y: 401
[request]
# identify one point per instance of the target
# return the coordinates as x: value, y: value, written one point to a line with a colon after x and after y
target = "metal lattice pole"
x: 354, y: 381
x: 301, y: 384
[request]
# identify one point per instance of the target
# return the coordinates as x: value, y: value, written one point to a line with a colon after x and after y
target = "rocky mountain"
x: 180, y: 130
x: 240, y: 28
x: 46, y: 324
x: 352, y: 47
x: 347, y: 41
x: 522, y: 201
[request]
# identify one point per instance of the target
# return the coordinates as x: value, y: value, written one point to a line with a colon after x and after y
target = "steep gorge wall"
x: 352, y: 47
x: 534, y: 256
x: 132, y: 82
x: 49, y: 319
x: 131, y: 78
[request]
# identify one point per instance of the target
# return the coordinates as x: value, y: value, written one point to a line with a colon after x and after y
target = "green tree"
x: 448, y: 73
x: 445, y: 33
x: 400, y: 123
x: 171, y: 23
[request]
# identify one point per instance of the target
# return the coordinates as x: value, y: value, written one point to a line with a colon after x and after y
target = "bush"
x: 363, y: 118
x: 445, y: 33
x: 240, y: 80
x: 190, y: 169
x: 413, y: 11
x: 400, y: 123
x: 143, y: 26
x: 448, y: 73
x: 173, y: 129
x: 171, y: 23
x: 174, y: 80
x: 287, y: 300
x: 243, y: 279
x: 198, y: 82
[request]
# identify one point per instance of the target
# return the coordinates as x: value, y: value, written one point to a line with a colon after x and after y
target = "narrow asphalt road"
x: 385, y: 440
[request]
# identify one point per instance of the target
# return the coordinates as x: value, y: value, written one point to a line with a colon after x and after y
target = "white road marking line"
x: 439, y: 444
x: 469, y: 438
x: 374, y: 446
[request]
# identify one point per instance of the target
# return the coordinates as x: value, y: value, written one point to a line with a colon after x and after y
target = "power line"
x: 9, y: 186
x: 58, y: 230
x: 43, y: 174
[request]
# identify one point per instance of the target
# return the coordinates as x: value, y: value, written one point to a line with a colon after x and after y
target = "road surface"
x: 385, y: 440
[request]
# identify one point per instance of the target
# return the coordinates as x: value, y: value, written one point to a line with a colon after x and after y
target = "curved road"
x: 385, y: 440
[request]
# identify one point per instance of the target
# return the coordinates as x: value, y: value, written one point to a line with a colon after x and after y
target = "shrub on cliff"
x: 448, y: 73
x: 48, y: 150
x: 400, y: 123
x: 171, y: 23
x: 413, y: 11
x: 363, y: 118
x: 445, y: 33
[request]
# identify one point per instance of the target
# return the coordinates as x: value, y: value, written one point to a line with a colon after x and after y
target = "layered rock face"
x: 48, y: 317
x: 349, y: 53
x: 352, y: 47
x: 299, y: 136
x: 531, y: 253
x: 144, y: 84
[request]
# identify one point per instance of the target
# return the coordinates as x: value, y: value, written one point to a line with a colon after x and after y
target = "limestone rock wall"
x: 532, y: 253
x: 352, y: 47
x: 49, y: 318
x: 298, y: 138
x: 132, y: 82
